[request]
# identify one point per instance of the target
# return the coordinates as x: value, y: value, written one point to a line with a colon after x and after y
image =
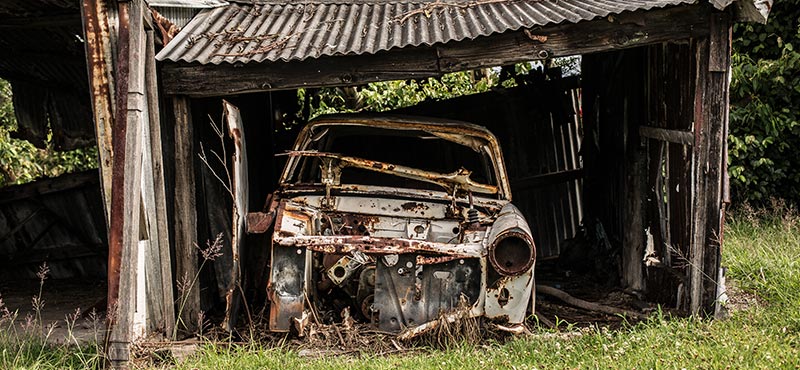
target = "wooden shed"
x: 633, y: 149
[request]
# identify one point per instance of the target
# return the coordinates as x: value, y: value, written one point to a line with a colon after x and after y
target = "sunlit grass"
x: 761, y: 252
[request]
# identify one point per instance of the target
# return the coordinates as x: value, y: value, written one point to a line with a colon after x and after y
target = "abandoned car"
x: 397, y: 221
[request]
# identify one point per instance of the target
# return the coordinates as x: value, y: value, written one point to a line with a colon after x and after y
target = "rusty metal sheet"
x: 241, y: 197
x: 287, y: 286
x: 259, y: 222
x: 408, y: 295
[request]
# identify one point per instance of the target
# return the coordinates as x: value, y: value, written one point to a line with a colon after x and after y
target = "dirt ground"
x: 61, y: 299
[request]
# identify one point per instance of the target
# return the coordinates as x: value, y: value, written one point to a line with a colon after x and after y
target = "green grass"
x: 762, y: 253
x: 35, y: 353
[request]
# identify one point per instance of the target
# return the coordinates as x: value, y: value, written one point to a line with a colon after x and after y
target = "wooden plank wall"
x: 613, y: 91
x: 663, y: 207
x: 670, y: 98
x: 59, y: 221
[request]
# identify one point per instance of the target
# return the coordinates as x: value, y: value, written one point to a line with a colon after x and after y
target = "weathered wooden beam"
x: 711, y: 120
x: 150, y: 306
x: 670, y: 136
x: 126, y: 198
x: 225, y: 79
x: 716, y: 112
x: 100, y: 69
x: 118, y: 346
x: 616, y: 32
x: 166, y: 298
x: 185, y: 213
x: 699, y: 161
x: 634, y: 104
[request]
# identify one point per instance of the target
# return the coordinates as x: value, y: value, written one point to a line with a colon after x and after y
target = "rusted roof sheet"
x: 295, y: 30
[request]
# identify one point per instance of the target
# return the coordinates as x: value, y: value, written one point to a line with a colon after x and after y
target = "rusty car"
x: 399, y: 221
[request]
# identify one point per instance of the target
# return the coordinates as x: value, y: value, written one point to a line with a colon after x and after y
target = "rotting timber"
x: 395, y: 245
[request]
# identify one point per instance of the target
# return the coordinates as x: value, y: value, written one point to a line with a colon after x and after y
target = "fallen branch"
x: 591, y: 306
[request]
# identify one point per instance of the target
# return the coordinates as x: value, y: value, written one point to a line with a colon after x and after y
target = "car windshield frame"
x: 471, y: 136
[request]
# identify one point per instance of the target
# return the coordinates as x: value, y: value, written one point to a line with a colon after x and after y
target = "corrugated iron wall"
x: 539, y: 128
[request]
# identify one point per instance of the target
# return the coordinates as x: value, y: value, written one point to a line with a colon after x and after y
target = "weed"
x: 30, y: 344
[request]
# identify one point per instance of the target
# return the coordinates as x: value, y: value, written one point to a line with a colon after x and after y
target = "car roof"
x: 403, y: 122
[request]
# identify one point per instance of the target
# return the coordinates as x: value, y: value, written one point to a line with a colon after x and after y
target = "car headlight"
x: 512, y: 252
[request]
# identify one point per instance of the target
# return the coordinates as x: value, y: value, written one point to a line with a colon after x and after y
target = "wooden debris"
x: 591, y: 306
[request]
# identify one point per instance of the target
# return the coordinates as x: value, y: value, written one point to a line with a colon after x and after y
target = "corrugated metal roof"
x: 191, y: 4
x: 296, y: 30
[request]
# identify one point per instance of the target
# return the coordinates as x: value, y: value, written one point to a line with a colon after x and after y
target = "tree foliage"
x: 389, y: 95
x: 765, y: 98
x: 22, y: 162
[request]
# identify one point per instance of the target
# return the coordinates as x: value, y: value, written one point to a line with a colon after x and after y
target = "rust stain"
x: 414, y: 206
x: 165, y: 26
x: 424, y: 260
x: 259, y: 222
x: 341, y: 244
x: 350, y: 224
x: 538, y: 38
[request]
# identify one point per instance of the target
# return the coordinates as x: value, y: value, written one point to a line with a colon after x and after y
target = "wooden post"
x: 711, y: 120
x: 100, y: 69
x: 717, y: 108
x: 166, y: 298
x: 185, y: 223
x: 635, y: 174
x: 124, y: 231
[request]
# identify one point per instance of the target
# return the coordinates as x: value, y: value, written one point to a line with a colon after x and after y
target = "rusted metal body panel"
x: 399, y: 257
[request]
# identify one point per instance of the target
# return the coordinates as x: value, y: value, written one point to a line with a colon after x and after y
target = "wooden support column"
x: 717, y: 109
x: 161, y: 288
x: 100, y: 69
x: 711, y: 121
x: 185, y: 223
x: 634, y: 114
x: 126, y: 201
